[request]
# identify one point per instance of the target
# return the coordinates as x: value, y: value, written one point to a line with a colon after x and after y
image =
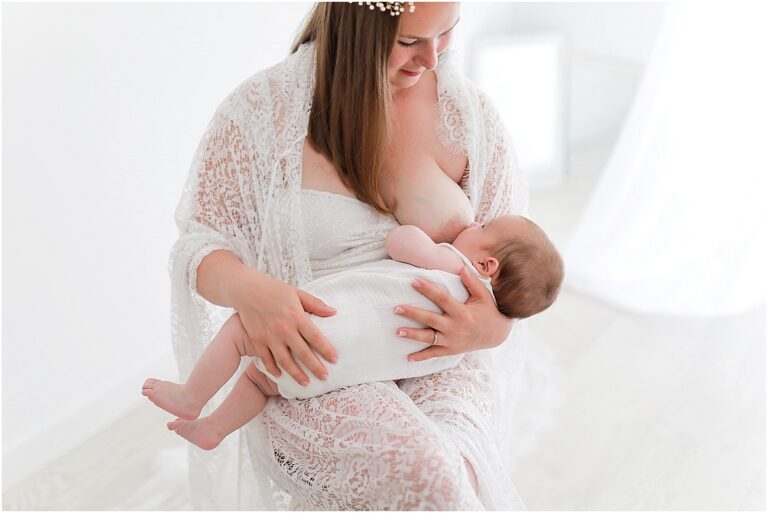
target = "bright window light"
x: 524, y: 75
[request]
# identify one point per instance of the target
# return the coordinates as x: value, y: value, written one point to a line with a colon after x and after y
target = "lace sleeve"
x: 504, y: 189
x: 217, y: 211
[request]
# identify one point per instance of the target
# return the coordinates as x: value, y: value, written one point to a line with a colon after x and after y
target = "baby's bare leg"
x: 214, y: 368
x: 247, y: 399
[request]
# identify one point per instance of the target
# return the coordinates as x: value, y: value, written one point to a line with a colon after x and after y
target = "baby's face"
x: 476, y: 240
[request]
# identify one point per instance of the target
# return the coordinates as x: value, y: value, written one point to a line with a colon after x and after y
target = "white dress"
x: 364, y: 293
x: 372, y: 446
x: 420, y: 437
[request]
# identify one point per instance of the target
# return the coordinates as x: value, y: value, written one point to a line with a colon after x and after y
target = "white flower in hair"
x: 394, y: 8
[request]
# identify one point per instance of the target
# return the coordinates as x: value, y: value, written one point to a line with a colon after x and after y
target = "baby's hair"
x: 530, y: 274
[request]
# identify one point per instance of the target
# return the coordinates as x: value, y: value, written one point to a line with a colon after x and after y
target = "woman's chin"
x: 403, y: 82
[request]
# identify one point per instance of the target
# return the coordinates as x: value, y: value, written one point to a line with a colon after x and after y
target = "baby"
x: 511, y: 255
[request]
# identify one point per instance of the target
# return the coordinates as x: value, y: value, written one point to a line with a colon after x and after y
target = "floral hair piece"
x: 394, y: 8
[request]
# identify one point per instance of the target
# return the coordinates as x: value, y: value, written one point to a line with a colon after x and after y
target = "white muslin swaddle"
x: 364, y: 329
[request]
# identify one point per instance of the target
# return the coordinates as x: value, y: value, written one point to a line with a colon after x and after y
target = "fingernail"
x: 334, y: 359
x: 399, y: 310
x: 323, y: 376
x: 416, y: 283
x: 401, y: 333
x: 304, y: 382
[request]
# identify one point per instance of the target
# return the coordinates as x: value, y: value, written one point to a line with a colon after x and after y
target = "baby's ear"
x: 487, y: 267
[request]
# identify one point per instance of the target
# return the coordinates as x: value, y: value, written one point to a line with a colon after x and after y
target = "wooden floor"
x: 648, y: 412
x: 655, y: 413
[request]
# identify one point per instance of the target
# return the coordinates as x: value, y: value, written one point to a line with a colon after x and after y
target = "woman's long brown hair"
x: 351, y: 105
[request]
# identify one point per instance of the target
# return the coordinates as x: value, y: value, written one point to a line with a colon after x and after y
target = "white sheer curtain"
x: 677, y: 222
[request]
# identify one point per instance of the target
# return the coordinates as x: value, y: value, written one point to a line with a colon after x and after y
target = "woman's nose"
x: 428, y: 55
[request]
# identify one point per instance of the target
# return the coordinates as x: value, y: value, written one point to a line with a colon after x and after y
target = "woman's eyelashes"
x: 441, y: 36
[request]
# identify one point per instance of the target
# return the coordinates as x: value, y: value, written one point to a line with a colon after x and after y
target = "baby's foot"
x: 199, y: 432
x: 170, y: 397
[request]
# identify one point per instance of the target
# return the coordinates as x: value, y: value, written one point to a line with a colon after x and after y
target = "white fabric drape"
x: 677, y: 222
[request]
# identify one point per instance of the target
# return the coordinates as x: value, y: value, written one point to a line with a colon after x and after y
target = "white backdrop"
x: 677, y: 223
x: 103, y: 107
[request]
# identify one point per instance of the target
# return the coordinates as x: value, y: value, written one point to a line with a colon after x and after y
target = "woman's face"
x: 423, y: 35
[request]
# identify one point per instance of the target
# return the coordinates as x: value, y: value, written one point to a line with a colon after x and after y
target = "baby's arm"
x: 409, y: 244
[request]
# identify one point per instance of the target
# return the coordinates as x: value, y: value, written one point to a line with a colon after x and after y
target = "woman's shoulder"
x: 467, y: 114
x: 458, y: 89
x: 287, y: 83
x: 452, y: 79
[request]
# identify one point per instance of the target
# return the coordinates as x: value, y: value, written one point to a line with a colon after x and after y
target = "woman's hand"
x: 273, y: 314
x: 476, y: 324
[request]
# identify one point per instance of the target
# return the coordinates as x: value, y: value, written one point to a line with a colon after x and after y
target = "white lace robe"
x: 374, y: 446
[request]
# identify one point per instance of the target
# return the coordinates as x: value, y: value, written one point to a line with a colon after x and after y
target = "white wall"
x: 608, y: 46
x: 104, y: 105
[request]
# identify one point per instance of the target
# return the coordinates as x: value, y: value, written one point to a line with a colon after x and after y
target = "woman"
x: 297, y: 177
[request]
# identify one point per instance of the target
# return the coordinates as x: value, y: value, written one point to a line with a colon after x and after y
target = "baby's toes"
x: 148, y: 386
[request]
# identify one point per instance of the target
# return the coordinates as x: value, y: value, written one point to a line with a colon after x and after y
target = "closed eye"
x: 441, y: 36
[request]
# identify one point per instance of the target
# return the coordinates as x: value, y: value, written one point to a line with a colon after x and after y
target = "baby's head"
x: 525, y: 268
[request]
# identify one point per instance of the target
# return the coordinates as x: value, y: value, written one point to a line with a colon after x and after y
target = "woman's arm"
x: 225, y: 228
x: 273, y: 310
x: 221, y: 275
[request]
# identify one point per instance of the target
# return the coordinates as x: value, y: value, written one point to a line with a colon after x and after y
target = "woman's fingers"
x: 432, y: 319
x: 317, y: 340
x: 426, y: 335
x: 303, y: 353
x: 268, y: 360
x: 438, y: 296
x: 314, y: 339
x: 430, y: 352
x: 300, y: 343
x: 475, y: 287
x: 313, y: 305
x: 285, y: 360
x: 282, y: 335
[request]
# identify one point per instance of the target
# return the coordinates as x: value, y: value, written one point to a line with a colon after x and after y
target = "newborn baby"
x: 512, y: 256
